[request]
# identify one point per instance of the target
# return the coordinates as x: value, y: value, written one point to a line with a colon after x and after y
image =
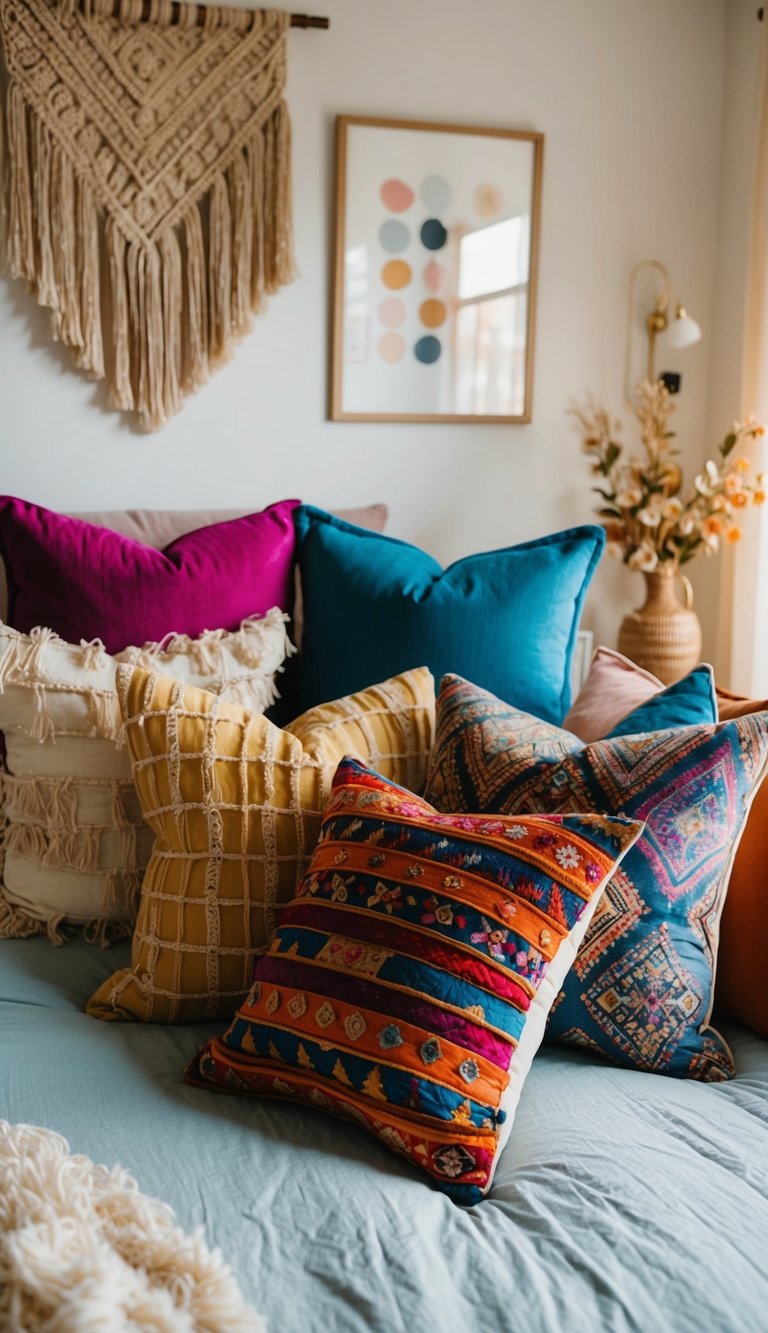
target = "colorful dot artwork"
x: 487, y: 202
x: 434, y: 276
x: 391, y: 347
x: 394, y: 236
x: 392, y: 313
x: 396, y: 196
x: 432, y: 313
x: 427, y: 350
x: 396, y: 274
x: 426, y: 299
x: 433, y: 234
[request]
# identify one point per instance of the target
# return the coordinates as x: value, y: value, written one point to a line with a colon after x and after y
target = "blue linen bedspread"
x: 624, y: 1201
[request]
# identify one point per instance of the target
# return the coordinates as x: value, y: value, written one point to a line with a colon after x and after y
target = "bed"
x: 624, y: 1201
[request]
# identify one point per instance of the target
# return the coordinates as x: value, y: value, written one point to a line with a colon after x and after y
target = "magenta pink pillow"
x: 87, y: 582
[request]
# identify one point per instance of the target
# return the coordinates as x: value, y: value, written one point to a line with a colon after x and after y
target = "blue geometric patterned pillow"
x: 641, y: 989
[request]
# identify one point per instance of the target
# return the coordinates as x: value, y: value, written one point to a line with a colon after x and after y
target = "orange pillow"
x: 741, y: 988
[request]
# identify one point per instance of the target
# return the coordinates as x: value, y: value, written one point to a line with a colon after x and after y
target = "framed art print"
x: 437, y: 231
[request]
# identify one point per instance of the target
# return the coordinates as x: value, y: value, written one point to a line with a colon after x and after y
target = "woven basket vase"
x: 663, y: 635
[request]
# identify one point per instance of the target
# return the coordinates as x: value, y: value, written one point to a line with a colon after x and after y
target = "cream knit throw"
x: 82, y: 1250
x: 147, y: 184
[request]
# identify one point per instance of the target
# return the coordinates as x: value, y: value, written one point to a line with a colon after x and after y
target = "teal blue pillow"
x: 690, y: 702
x: 374, y: 606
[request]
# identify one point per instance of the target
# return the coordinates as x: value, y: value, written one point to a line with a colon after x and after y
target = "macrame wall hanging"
x: 146, y: 183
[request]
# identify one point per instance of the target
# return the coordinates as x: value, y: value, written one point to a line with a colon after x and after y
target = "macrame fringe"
x: 178, y: 304
x: 83, y: 1248
x: 247, y: 647
x: 104, y: 933
x: 15, y: 924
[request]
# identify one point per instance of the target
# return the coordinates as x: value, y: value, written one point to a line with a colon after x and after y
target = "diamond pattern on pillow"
x: 642, y: 987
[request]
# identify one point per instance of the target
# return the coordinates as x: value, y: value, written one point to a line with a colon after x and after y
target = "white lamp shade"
x: 683, y: 332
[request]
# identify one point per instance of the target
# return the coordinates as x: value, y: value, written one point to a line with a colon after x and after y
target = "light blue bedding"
x: 624, y: 1201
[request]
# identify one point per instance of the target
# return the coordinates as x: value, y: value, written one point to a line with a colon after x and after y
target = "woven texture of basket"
x: 663, y: 635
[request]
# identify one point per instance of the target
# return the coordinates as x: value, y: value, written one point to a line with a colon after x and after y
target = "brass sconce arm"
x: 685, y: 330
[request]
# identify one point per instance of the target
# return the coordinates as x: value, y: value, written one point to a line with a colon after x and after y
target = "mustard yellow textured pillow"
x: 235, y: 804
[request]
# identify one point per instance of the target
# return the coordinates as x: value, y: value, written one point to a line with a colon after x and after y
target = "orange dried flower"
x: 735, y: 535
x: 712, y: 527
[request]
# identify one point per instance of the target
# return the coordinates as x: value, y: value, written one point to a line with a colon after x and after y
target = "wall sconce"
x: 683, y: 331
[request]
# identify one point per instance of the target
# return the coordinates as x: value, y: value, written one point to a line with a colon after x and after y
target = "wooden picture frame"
x: 435, y: 271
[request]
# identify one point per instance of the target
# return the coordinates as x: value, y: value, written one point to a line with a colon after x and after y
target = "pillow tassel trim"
x: 82, y: 1247
x: 85, y: 829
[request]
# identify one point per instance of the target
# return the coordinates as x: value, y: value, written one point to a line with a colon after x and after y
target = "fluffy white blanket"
x: 82, y: 1250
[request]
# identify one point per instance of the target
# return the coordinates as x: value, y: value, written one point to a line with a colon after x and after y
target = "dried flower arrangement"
x: 648, y: 522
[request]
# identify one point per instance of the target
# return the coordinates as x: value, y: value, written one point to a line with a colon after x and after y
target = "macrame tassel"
x: 103, y: 932
x: 195, y: 331
x: 104, y: 718
x: 278, y: 224
x: 25, y: 800
x: 150, y: 400
x: 238, y: 180
x: 15, y: 924
x: 121, y: 389
x: 256, y: 161
x: 65, y: 320
x: 42, y: 728
x: 93, y: 655
x: 47, y: 292
x: 53, y: 929
x: 170, y: 258
x: 91, y: 358
x: 220, y: 273
x: 145, y: 318
x: 120, y: 895
x: 21, y: 237
x: 26, y: 840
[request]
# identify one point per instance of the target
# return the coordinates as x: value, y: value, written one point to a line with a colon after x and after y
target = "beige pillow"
x: 74, y: 843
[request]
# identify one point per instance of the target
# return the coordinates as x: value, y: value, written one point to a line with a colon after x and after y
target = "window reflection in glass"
x: 491, y: 318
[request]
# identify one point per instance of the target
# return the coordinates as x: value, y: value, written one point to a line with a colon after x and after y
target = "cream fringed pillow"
x: 235, y: 804
x: 74, y: 843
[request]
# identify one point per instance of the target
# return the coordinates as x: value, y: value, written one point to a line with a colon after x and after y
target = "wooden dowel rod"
x: 309, y: 21
x: 297, y: 20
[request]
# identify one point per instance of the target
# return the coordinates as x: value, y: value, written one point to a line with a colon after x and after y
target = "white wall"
x: 742, y: 37
x: 629, y: 95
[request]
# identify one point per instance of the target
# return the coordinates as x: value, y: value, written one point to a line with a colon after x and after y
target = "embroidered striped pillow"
x: 410, y: 979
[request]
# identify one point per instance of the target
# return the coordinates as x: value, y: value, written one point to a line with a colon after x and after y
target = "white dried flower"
x: 627, y: 499
x: 644, y: 558
x: 650, y: 518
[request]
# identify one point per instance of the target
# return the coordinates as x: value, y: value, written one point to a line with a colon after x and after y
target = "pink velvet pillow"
x: 87, y: 582
x: 614, y: 687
